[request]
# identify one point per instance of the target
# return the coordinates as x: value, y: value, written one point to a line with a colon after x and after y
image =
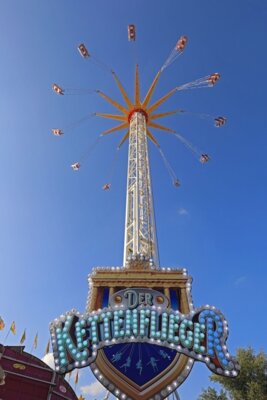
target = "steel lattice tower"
x: 140, y: 230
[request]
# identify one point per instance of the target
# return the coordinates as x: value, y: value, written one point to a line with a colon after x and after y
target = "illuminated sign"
x: 142, y: 315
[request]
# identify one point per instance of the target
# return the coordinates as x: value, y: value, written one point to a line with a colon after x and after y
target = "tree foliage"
x: 250, y: 384
x: 211, y: 394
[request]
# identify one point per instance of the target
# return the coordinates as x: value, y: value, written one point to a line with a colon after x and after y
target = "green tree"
x: 250, y: 384
x: 211, y: 394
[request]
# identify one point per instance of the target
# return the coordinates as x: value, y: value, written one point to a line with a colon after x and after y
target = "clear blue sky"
x: 56, y: 224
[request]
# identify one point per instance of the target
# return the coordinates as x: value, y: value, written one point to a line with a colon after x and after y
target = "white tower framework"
x: 140, y: 232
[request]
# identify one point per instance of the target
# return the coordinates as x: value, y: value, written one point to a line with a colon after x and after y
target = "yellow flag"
x: 35, y: 343
x: 13, y: 328
x: 81, y: 398
x: 23, y: 337
x: 2, y: 324
x: 47, y: 347
x: 76, y: 378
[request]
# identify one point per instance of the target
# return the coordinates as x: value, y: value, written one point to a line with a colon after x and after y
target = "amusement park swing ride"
x: 140, y: 333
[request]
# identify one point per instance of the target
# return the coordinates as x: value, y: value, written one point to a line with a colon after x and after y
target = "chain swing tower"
x: 140, y: 241
x: 170, y: 288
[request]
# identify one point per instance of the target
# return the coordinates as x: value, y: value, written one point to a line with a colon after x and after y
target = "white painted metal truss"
x: 140, y: 230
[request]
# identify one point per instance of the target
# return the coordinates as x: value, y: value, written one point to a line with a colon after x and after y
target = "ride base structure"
x: 140, y: 333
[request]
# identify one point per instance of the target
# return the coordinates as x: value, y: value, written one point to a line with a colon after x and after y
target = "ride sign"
x: 140, y: 315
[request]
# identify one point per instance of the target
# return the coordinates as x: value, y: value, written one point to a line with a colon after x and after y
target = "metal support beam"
x: 140, y: 231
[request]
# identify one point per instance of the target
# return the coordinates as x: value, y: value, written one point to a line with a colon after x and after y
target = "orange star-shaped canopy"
x: 144, y: 107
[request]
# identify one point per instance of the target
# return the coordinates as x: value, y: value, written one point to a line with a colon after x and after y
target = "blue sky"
x: 56, y: 224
